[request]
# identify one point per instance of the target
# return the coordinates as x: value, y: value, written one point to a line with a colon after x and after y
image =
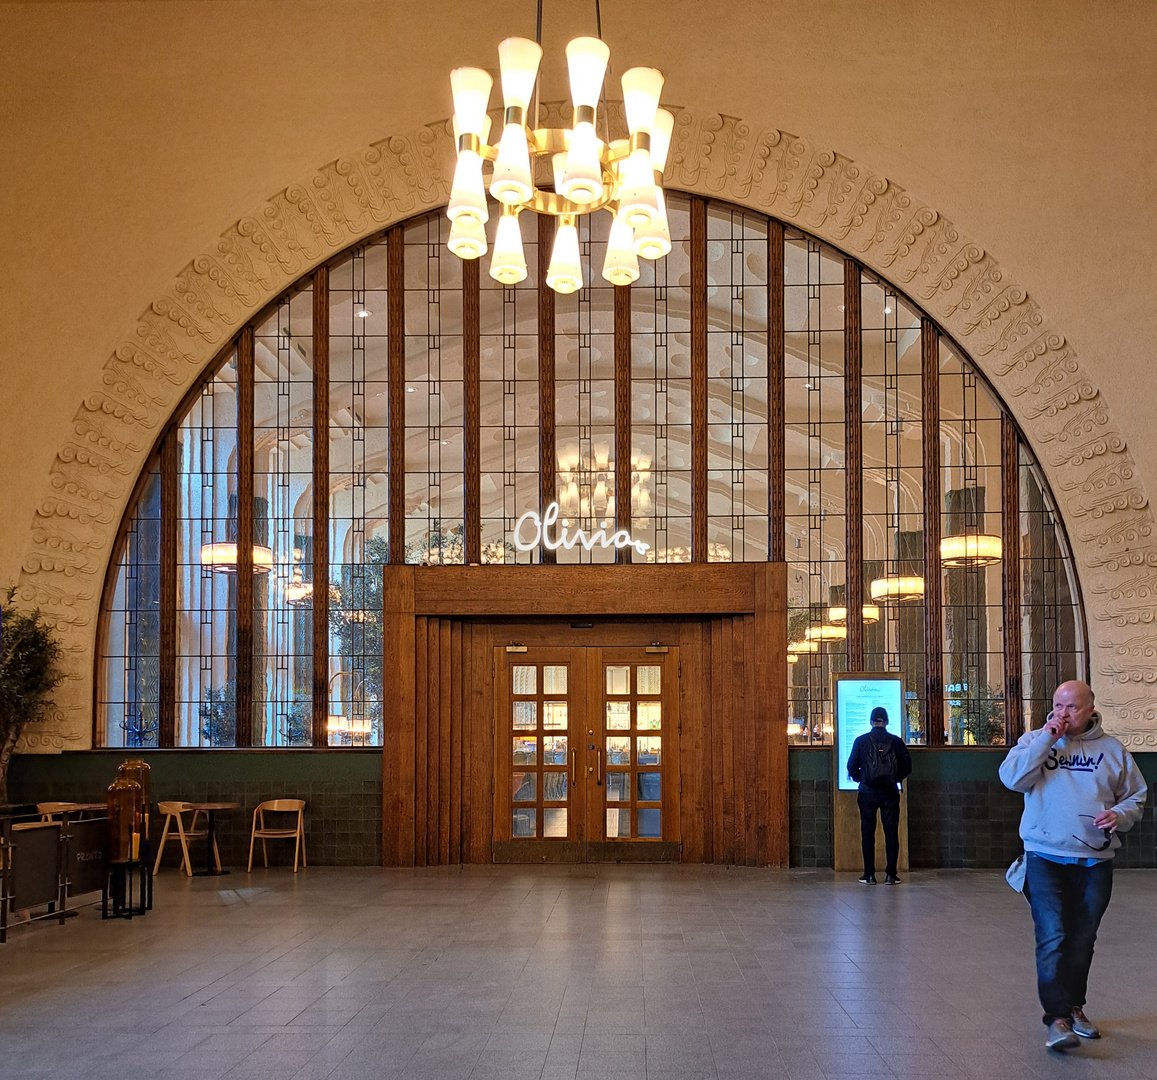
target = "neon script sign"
x: 538, y: 529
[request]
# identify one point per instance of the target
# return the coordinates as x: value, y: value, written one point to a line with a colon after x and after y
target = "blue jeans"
x: 1067, y: 904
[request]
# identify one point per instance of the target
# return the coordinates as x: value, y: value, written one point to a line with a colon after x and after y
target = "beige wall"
x: 135, y: 134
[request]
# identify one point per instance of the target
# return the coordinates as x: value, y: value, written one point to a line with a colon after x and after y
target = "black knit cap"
x: 879, y: 713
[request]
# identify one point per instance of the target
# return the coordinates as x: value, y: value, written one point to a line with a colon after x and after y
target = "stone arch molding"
x: 994, y: 319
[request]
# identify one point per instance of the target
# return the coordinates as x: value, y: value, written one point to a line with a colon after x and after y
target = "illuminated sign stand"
x: 854, y: 695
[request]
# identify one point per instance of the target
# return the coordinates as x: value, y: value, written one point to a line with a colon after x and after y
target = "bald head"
x: 1073, y: 704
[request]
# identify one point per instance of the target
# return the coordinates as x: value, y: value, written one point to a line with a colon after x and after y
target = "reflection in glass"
x: 649, y: 823
x: 618, y: 824
x: 554, y: 714
x: 525, y: 680
x: 648, y: 715
x: 647, y: 786
x: 618, y: 679
x: 618, y: 715
x: 649, y: 749
x: 525, y: 751
x: 554, y: 679
x: 618, y: 787
x: 618, y: 750
x: 554, y: 750
x: 524, y: 785
x: 523, y: 822
x: 525, y: 714
x: 554, y: 787
x: 648, y: 678
x: 554, y: 822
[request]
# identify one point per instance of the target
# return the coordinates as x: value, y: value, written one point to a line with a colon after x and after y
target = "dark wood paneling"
x: 698, y: 380
x: 321, y: 506
x: 167, y: 645
x: 547, y: 453
x: 398, y: 671
x: 720, y: 694
x: 675, y: 589
x: 853, y: 474
x: 445, y: 764
x: 471, y: 407
x: 776, y: 459
x: 245, y: 419
x: 479, y: 692
x: 1010, y: 579
x: 396, y: 328
x: 623, y: 415
x: 933, y: 628
x: 456, y: 748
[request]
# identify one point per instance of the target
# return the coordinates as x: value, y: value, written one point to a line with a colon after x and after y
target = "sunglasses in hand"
x: 1095, y: 847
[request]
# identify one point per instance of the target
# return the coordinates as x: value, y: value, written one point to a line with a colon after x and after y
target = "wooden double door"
x: 586, y: 762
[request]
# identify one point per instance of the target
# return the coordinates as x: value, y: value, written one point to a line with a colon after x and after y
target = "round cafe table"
x: 211, y: 809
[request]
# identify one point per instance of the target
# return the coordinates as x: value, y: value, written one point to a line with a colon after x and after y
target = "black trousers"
x: 888, y: 803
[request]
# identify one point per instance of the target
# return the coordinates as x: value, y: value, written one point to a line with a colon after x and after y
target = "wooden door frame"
x: 480, y: 593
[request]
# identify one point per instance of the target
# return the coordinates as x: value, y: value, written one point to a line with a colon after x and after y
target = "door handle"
x: 572, y: 761
x: 599, y: 777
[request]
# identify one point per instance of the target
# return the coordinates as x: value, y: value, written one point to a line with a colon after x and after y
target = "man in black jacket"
x: 879, y: 762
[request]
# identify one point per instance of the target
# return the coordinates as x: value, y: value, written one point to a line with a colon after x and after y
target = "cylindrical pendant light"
x: 653, y: 240
x: 621, y: 265
x: 471, y: 89
x: 519, y: 59
x: 565, y: 273
x: 641, y: 89
x: 508, y: 263
x: 582, y: 181
x: 467, y: 238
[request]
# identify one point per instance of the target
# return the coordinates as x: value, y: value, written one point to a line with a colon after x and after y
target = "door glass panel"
x: 649, y: 823
x: 554, y: 822
x: 523, y: 822
x: 554, y: 714
x: 525, y: 714
x: 525, y: 751
x: 647, y: 786
x: 649, y: 679
x: 554, y: 787
x: 524, y: 679
x: 524, y: 785
x: 618, y: 824
x: 618, y: 787
x: 618, y: 715
x: 618, y: 750
x: 618, y: 679
x: 553, y: 679
x: 650, y: 715
x: 554, y: 750
x: 648, y: 748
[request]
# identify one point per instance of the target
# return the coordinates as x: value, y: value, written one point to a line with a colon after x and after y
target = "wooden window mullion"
x: 933, y: 625
x: 623, y: 415
x: 546, y: 372
x: 776, y: 371
x: 698, y: 380
x: 243, y: 693
x: 853, y: 466
x: 396, y: 353
x: 167, y: 646
x: 1010, y: 579
x: 471, y: 407
x: 320, y: 506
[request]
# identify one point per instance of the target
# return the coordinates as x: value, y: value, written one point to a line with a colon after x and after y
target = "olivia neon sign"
x: 538, y: 529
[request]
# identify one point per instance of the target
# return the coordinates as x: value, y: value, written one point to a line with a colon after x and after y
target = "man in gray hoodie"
x: 1081, y: 787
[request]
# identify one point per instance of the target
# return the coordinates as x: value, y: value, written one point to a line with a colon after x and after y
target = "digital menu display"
x: 856, y: 696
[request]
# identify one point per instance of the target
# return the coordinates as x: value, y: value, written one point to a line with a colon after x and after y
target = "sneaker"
x: 1083, y: 1026
x: 891, y: 879
x: 1061, y: 1036
x: 868, y: 879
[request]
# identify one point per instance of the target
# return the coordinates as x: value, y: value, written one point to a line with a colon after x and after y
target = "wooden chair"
x: 173, y: 812
x: 262, y: 832
x: 48, y: 811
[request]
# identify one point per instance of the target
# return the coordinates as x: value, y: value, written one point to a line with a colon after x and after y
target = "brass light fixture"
x: 971, y: 549
x: 621, y: 176
x: 897, y: 589
x: 826, y: 632
x: 221, y: 558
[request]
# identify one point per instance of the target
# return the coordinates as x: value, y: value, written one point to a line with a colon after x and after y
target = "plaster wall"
x: 137, y: 135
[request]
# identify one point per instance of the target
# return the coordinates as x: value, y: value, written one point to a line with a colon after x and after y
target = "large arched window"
x: 756, y: 395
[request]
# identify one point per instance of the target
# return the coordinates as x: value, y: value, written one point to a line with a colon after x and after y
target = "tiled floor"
x: 513, y: 973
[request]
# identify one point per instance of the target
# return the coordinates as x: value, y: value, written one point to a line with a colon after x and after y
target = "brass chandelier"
x: 589, y: 174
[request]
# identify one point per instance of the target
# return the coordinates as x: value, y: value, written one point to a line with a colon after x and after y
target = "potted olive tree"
x: 29, y: 672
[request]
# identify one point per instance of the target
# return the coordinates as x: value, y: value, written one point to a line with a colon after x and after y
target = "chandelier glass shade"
x: 971, y: 549
x: 589, y: 173
x: 794, y: 647
x: 897, y: 589
x: 870, y: 614
x: 826, y: 632
x: 221, y: 558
